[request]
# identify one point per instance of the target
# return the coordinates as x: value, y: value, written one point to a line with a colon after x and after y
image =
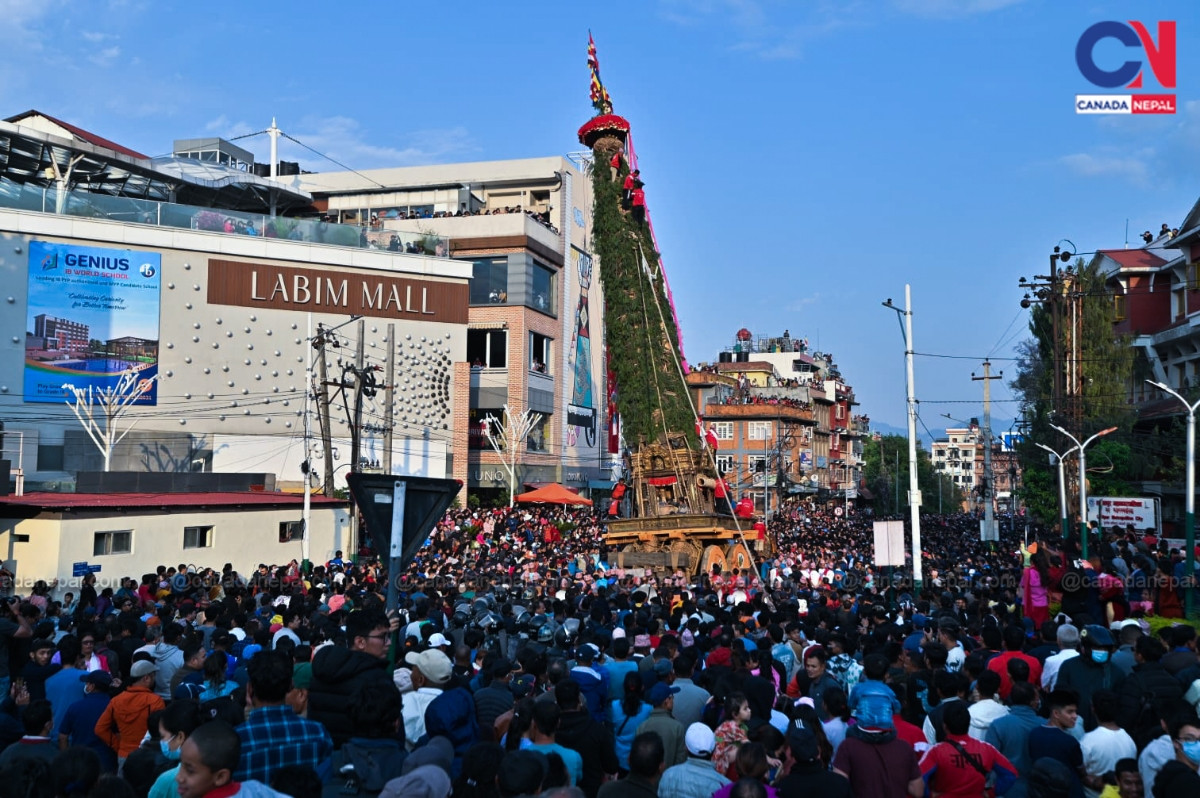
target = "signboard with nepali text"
x: 91, y: 320
x: 1120, y: 512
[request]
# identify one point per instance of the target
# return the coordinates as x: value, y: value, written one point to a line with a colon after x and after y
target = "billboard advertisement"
x: 92, y: 319
x: 583, y: 435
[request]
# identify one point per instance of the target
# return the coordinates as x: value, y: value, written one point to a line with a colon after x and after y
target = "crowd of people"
x: 523, y: 660
x: 541, y: 217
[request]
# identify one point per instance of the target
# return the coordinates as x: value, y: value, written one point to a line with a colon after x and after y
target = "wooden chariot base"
x: 692, y: 543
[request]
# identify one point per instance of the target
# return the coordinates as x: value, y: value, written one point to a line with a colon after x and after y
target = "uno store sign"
x: 1104, y: 57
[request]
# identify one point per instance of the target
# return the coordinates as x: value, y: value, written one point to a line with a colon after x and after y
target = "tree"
x: 113, y: 402
x: 1099, y: 370
x: 506, y: 436
x: 886, y: 475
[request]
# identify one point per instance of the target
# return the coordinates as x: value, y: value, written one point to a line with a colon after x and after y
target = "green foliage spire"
x: 640, y: 331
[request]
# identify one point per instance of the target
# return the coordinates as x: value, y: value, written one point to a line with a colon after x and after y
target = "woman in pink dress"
x: 1035, y: 589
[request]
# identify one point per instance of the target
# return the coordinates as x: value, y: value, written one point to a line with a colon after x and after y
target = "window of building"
x: 290, y: 531
x: 539, y: 436
x: 118, y: 542
x: 539, y: 353
x: 489, y: 281
x: 542, y: 294
x: 197, y: 537
x: 841, y: 410
x: 1119, y: 307
x: 757, y: 465
x: 1180, y: 303
x: 487, y: 348
x: 724, y: 463
x: 723, y: 430
x: 50, y: 458
x: 479, y: 419
x: 758, y: 430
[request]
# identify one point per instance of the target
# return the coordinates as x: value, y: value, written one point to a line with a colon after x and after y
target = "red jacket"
x: 947, y: 774
x: 999, y: 664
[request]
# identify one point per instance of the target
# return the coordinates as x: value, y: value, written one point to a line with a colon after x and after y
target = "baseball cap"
x: 98, y: 678
x: 618, y: 633
x: 141, y: 668
x: 700, y: 740
x: 587, y: 652
x: 437, y: 640
x: 432, y: 663
x: 660, y: 693
x: 802, y: 741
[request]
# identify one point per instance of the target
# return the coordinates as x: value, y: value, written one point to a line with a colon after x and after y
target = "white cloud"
x: 344, y: 140
x: 96, y: 37
x: 106, y: 56
x: 767, y: 29
x: 1131, y: 166
x: 805, y: 302
x: 948, y: 9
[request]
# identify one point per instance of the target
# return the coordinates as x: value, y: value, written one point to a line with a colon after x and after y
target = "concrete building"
x: 213, y: 307
x: 535, y: 338
x: 773, y: 394
x: 959, y: 456
x: 1155, y: 293
x: 115, y: 535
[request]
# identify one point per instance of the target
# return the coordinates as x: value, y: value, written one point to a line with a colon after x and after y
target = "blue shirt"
x: 571, y: 759
x: 79, y: 724
x: 62, y: 690
x: 275, y: 737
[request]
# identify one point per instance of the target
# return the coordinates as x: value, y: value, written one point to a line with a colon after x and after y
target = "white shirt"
x: 955, y: 659
x: 1158, y: 753
x: 983, y: 712
x: 1102, y: 748
x: 1052, y: 664
x: 413, y: 706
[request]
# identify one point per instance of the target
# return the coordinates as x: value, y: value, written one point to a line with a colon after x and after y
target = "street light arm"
x: 1060, y: 457
x: 1069, y: 435
x: 1100, y: 434
x: 1167, y: 389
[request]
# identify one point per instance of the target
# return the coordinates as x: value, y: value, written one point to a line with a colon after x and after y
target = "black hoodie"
x: 337, y: 673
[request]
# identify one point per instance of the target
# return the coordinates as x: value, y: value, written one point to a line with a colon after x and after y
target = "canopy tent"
x: 553, y: 494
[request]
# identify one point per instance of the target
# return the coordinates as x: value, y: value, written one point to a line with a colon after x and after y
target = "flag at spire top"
x: 600, y: 99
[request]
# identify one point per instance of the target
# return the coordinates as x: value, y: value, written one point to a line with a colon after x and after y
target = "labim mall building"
x: 214, y: 289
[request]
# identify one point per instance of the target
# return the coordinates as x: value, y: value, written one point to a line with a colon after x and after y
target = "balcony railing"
x: 88, y: 205
x: 788, y: 412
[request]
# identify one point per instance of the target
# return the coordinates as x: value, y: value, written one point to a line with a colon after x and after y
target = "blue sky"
x: 803, y: 160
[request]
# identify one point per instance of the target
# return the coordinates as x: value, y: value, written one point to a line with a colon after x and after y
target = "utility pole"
x: 323, y: 409
x: 389, y: 395
x: 356, y: 432
x: 989, y: 520
x: 1050, y: 291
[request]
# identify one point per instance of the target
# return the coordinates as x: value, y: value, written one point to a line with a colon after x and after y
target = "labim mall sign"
x: 287, y: 288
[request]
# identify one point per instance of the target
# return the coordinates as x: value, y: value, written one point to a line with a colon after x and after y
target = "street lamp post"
x: 1062, y: 484
x: 1189, y: 498
x: 1083, y: 530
